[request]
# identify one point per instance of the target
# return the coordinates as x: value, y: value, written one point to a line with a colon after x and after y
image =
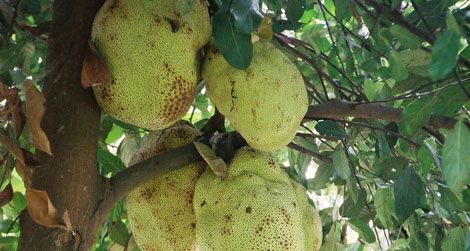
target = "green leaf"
x: 399, y: 245
x: 322, y: 177
x: 416, y: 61
x: 247, y: 15
x: 351, y: 208
x: 409, y: 194
x: 343, y: 9
x: 446, y: 49
x: 295, y: 10
x: 455, y: 240
x: 118, y: 232
x: 185, y: 6
x: 109, y: 162
x: 8, y: 243
x: 330, y: 128
x: 418, y: 240
x: 426, y: 160
x: 390, y: 168
x: 456, y: 157
x: 30, y: 7
x: 235, y: 46
x: 341, y: 163
x: 450, y: 201
x: 416, y: 114
x: 363, y: 229
x: 391, y: 139
x: 114, y: 134
x: 398, y: 69
x: 405, y: 37
x: 372, y: 88
x: 385, y: 206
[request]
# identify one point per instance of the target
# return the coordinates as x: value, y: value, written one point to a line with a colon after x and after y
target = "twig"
x: 398, y: 18
x: 312, y: 63
x: 462, y: 85
x: 381, y: 129
x: 309, y: 152
x: 337, y: 109
x: 324, y: 57
x: 13, y: 21
x: 425, y: 22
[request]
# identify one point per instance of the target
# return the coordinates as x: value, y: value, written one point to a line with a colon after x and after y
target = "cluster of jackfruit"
x: 150, y: 48
x: 256, y: 207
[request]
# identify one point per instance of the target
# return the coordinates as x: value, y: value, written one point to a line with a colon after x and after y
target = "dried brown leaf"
x: 40, y: 208
x: 217, y: 164
x: 35, y: 111
x: 17, y: 118
x: 6, y: 195
x: 94, y: 69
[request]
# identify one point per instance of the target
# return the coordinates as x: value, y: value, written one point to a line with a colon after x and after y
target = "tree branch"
x: 337, y: 109
x: 130, y: 178
x: 309, y: 152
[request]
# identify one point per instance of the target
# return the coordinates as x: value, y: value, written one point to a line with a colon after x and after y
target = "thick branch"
x: 165, y: 162
x: 337, y: 109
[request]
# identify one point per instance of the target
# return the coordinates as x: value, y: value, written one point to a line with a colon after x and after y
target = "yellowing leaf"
x: 35, y: 111
x: 40, y: 208
x: 217, y: 164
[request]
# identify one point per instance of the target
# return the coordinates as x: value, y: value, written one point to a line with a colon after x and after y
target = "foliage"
x: 380, y: 184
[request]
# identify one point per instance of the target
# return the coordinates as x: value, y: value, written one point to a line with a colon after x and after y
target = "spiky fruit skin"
x: 160, y: 212
x: 311, y: 219
x: 265, y: 103
x: 150, y: 48
x: 254, y: 208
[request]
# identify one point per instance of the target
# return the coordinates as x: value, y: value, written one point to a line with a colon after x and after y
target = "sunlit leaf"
x: 456, y: 157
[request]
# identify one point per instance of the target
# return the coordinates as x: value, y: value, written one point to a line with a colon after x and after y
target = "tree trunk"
x: 71, y: 122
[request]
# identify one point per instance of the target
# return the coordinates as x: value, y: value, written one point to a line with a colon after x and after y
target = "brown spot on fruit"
x: 248, y: 210
x: 175, y: 25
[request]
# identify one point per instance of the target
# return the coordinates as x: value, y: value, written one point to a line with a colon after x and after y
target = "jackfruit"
x: 256, y: 207
x: 160, y: 212
x: 150, y: 48
x: 265, y: 103
x: 311, y: 219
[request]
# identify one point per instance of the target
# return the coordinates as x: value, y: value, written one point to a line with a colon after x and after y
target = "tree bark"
x: 71, y: 122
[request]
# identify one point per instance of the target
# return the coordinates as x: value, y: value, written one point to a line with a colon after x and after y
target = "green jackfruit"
x: 265, y: 103
x: 256, y: 207
x: 311, y: 219
x: 160, y: 212
x: 150, y: 48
